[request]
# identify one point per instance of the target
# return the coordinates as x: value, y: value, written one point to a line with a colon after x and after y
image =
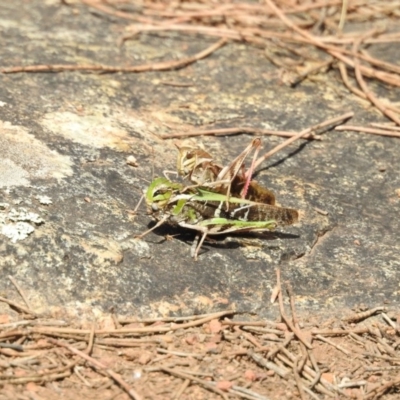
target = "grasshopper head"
x: 159, y: 193
x: 190, y: 158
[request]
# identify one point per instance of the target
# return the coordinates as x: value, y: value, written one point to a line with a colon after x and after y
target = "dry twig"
x: 296, y: 331
x: 100, y: 366
x: 328, y: 124
x: 155, y: 66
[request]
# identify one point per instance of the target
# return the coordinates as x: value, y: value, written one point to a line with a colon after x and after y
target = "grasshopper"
x: 202, y: 210
x: 199, y: 167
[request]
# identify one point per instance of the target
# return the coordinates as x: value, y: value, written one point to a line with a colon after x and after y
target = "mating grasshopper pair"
x: 220, y: 200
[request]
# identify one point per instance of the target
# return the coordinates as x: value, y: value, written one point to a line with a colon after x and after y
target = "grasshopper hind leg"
x: 197, y: 243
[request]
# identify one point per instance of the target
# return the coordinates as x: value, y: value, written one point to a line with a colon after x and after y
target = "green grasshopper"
x: 202, y: 210
x: 199, y: 167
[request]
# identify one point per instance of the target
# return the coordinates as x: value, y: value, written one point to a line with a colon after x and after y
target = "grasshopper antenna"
x: 152, y: 162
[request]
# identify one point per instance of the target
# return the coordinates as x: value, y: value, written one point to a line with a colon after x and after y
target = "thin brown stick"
x: 175, y: 319
x: 391, y: 323
x: 246, y: 393
x: 378, y: 356
x: 309, y: 373
x: 100, y: 6
x: 340, y: 332
x: 161, y: 66
x: 100, y: 366
x: 289, y: 291
x: 260, y: 360
x: 179, y: 353
x: 125, y: 342
x: 328, y: 123
x: 18, y: 306
x: 365, y: 129
x: 44, y: 376
x: 343, y: 14
x: 374, y: 369
x: 91, y: 339
x: 226, y: 321
x: 333, y: 50
x: 386, y: 77
x: 363, y: 315
x: 342, y: 349
x: 356, y: 91
x: 203, y: 30
x: 252, y: 35
x: 303, y: 360
x: 181, y: 389
x: 202, y: 382
x: 316, y: 368
x: 249, y: 337
x: 20, y: 291
x: 12, y: 346
x: 150, y: 329
x: 297, y: 379
x: 272, y: 353
x: 389, y: 66
x: 380, y: 390
x: 236, y: 131
x: 370, y: 95
x: 287, y: 321
x: 346, y: 81
x: 257, y: 329
x: 386, y: 126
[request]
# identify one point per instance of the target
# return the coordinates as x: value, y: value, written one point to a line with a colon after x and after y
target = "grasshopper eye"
x: 161, y: 195
x: 158, y: 193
